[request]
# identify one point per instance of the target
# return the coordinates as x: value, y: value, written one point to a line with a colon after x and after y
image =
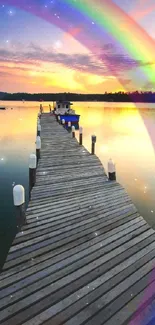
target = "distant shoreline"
x: 134, y: 97
x: 86, y: 101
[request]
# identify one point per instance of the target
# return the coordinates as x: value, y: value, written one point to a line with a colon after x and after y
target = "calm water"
x: 121, y: 134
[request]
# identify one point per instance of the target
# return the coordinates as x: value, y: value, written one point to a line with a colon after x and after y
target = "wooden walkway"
x: 86, y: 255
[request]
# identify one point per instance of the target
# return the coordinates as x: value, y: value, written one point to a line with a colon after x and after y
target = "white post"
x: 69, y: 126
x: 19, y: 203
x: 32, y: 171
x: 38, y: 129
x: 111, y: 170
x: 63, y: 122
x: 73, y: 131
x: 38, y: 147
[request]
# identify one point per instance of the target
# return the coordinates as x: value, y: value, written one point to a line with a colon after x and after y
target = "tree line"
x: 136, y: 96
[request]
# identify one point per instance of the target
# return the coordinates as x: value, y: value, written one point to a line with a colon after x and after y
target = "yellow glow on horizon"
x: 45, y: 75
x: 95, y: 80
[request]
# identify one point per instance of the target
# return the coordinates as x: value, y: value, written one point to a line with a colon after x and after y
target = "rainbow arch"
x: 128, y: 35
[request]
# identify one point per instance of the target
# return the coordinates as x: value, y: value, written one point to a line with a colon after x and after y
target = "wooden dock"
x: 86, y: 255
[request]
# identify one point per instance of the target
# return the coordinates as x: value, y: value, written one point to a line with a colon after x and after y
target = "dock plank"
x: 85, y: 255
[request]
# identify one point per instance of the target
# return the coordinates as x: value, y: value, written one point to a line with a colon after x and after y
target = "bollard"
x: 111, y: 170
x: 63, y: 123
x: 38, y: 130
x: 69, y: 126
x: 59, y: 120
x: 41, y: 108
x: 73, y: 131
x: 93, y: 139
x: 32, y: 172
x: 38, y: 125
x: 80, y: 135
x: 38, y: 147
x: 19, y: 203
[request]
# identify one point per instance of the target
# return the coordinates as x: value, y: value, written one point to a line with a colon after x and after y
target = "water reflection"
x: 121, y: 135
x: 17, y: 141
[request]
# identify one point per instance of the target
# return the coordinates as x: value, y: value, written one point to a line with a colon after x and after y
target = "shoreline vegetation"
x: 139, y: 97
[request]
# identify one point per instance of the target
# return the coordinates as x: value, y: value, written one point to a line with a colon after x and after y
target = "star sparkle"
x: 11, y: 12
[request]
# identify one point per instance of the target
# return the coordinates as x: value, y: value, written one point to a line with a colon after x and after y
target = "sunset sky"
x: 38, y: 56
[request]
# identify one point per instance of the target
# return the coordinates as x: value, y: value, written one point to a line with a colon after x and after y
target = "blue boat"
x: 70, y: 118
x: 63, y: 109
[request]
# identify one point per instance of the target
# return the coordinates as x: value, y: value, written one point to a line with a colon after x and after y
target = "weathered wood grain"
x: 85, y: 255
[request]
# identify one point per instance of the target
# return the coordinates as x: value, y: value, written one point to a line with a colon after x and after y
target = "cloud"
x: 116, y: 60
x: 110, y: 61
x: 36, y: 56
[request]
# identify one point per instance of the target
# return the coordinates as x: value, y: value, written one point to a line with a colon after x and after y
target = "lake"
x: 121, y: 135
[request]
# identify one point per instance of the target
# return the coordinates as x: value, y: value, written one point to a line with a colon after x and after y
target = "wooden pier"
x: 86, y: 256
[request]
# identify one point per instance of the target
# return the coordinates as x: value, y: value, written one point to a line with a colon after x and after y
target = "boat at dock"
x: 63, y: 109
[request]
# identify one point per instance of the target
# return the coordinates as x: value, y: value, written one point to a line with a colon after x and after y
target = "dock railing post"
x: 38, y: 147
x: 69, y: 126
x: 38, y: 123
x: 80, y: 135
x: 63, y: 123
x: 73, y: 131
x: 38, y: 129
x: 93, y: 141
x: 19, y: 203
x: 39, y: 115
x: 41, y: 108
x: 111, y: 170
x: 32, y: 172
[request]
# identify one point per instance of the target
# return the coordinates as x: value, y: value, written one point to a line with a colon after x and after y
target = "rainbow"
x: 105, y: 16
x: 98, y: 20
